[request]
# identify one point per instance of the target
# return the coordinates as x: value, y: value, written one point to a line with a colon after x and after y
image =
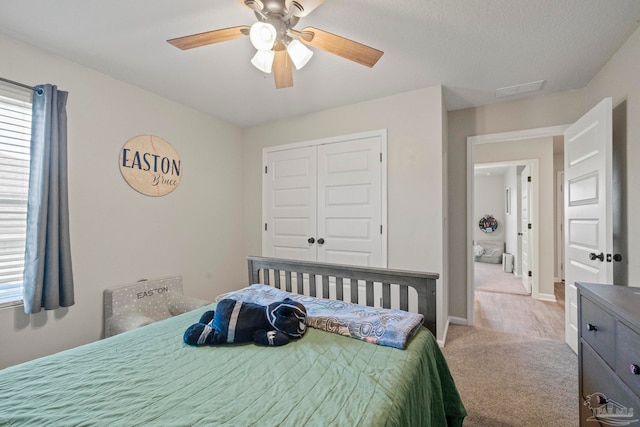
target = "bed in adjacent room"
x: 148, y: 376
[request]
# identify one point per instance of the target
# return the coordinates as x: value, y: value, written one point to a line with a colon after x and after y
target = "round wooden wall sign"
x: 150, y: 165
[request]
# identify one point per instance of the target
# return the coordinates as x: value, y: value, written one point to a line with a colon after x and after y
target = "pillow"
x: 478, y: 251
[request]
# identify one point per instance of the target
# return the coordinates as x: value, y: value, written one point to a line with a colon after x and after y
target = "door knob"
x: 321, y: 241
x: 617, y: 257
x: 311, y: 240
x: 593, y: 256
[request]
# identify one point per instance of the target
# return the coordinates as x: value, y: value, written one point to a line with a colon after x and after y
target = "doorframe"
x: 560, y: 225
x: 472, y: 141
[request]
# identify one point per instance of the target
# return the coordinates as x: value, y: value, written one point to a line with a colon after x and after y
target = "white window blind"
x: 15, y: 137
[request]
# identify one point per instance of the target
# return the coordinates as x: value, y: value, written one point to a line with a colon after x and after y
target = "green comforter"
x: 149, y: 377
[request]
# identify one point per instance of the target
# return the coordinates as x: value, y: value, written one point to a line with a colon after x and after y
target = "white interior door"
x: 587, y: 204
x: 349, y: 202
x: 289, y: 204
x: 525, y: 215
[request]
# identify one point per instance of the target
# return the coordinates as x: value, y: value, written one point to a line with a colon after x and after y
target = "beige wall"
x: 558, y: 109
x: 118, y: 235
x: 488, y: 199
x: 445, y: 216
x: 619, y: 79
x: 414, y: 122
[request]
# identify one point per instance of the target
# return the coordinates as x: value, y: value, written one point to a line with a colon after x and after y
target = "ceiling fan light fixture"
x: 263, y: 60
x: 299, y: 53
x: 263, y: 35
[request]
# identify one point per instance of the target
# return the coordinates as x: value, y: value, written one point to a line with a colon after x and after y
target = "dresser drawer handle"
x: 635, y: 369
x: 591, y: 327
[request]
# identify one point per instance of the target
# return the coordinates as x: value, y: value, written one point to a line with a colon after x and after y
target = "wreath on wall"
x: 488, y: 224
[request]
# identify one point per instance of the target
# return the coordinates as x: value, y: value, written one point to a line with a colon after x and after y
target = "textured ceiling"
x: 471, y: 47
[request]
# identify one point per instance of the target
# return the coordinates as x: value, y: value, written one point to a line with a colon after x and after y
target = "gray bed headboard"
x: 268, y: 271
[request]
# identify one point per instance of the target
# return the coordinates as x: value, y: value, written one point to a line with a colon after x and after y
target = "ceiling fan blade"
x: 282, y: 73
x: 340, y: 46
x: 210, y: 37
x: 307, y: 6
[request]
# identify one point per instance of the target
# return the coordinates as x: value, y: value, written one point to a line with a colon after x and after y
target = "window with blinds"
x: 15, y: 137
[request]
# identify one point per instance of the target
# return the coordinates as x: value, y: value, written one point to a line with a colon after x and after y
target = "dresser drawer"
x: 598, y: 380
x: 598, y: 329
x: 628, y: 354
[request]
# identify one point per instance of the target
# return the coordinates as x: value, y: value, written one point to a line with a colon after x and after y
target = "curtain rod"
x: 16, y: 83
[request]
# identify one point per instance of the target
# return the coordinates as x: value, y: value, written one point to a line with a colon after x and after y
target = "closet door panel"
x: 349, y: 202
x: 289, y: 204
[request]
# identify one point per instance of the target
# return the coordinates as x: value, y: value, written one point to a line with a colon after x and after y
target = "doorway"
x: 546, y: 292
x: 501, y: 191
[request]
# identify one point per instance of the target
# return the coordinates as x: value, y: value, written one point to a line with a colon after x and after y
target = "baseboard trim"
x: 547, y: 297
x: 458, y: 320
x: 442, y: 342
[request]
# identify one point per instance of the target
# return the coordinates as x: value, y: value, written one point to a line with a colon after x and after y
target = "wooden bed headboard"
x: 423, y: 283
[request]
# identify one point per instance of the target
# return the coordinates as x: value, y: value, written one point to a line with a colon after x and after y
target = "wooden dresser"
x: 609, y: 354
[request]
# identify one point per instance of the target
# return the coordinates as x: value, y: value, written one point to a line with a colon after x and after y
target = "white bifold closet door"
x: 289, y: 204
x: 326, y: 201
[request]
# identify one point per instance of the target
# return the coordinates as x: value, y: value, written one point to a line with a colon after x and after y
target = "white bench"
x: 137, y: 304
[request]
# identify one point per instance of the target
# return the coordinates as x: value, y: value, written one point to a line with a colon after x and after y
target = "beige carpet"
x: 513, y: 380
x: 491, y: 278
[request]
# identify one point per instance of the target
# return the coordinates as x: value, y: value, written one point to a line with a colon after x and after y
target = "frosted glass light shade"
x: 263, y: 60
x: 299, y: 53
x: 262, y: 35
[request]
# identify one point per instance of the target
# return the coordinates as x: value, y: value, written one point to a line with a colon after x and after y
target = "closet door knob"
x: 321, y: 241
x: 591, y: 327
x: 635, y: 369
x: 311, y: 240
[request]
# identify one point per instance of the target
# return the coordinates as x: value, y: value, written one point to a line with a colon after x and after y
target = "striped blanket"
x: 381, y: 326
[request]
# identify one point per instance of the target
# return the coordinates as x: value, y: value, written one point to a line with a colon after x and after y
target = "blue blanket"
x: 387, y: 327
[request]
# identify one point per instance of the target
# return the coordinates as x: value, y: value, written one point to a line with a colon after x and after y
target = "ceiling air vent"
x: 519, y: 89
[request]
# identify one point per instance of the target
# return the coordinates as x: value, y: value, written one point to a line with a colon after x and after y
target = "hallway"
x: 516, y: 312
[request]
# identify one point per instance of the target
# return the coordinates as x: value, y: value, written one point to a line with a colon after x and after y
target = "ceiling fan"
x: 278, y: 44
